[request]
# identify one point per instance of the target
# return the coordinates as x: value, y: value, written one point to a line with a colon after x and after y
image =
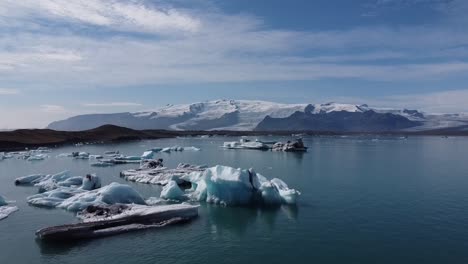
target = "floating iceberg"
x: 220, y: 185
x: 246, y: 144
x: 289, y: 146
x: 5, y: 209
x: 152, y: 172
x: 99, y: 221
x: 77, y: 199
x: 116, y: 161
x: 37, y: 157
x: 2, y: 201
x: 172, y: 191
x: 48, y: 182
x: 230, y: 186
x: 179, y: 148
x: 147, y: 154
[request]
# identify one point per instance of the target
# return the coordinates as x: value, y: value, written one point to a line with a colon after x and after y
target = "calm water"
x: 364, y: 201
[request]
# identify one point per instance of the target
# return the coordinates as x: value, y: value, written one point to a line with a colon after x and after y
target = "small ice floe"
x: 112, y: 152
x: 246, y: 144
x: 48, y: 182
x: 153, y: 172
x: 77, y: 199
x: 107, y: 220
x: 5, y: 209
x: 179, y: 149
x: 120, y: 159
x: 289, y: 146
x: 37, y: 157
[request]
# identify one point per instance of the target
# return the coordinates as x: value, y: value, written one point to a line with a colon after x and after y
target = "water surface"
x: 364, y: 200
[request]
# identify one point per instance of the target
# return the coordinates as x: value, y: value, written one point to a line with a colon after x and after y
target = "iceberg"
x: 229, y: 186
x: 172, y: 191
x: 37, y: 157
x: 179, y: 149
x: 246, y: 144
x: 152, y: 172
x: 5, y: 209
x: 219, y: 185
x: 48, y: 182
x: 78, y: 199
x: 2, y: 201
x: 147, y: 155
x: 289, y: 146
x: 99, y: 221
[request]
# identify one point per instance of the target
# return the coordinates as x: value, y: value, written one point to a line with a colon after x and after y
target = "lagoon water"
x: 364, y: 200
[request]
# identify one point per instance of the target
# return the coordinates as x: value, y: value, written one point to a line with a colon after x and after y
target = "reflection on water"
x: 362, y: 197
x: 237, y: 220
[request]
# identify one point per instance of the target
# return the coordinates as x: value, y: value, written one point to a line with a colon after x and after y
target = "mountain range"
x: 247, y: 115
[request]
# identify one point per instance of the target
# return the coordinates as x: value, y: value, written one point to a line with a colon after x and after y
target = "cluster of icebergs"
x: 29, y: 155
x: 5, y: 209
x: 111, y: 158
x: 220, y: 185
x: 289, y: 146
x: 75, y: 193
x: 104, y: 210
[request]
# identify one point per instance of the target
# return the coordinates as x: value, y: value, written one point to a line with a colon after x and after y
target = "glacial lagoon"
x: 365, y: 199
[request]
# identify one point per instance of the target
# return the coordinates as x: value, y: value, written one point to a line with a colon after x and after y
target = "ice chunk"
x: 82, y: 155
x: 172, y: 191
x: 77, y: 199
x: 37, y: 157
x: 230, y: 186
x: 147, y: 155
x: 179, y: 148
x: 5, y: 209
x: 151, y: 173
x: 48, y: 182
x: 105, y: 220
x: 289, y: 146
x: 245, y: 144
x: 2, y: 201
x: 91, y: 182
x: 128, y: 158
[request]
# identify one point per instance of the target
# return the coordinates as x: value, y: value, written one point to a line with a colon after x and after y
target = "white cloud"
x: 117, y: 15
x: 8, y: 91
x: 218, y: 48
x: 112, y: 104
x: 53, y: 109
x: 450, y: 101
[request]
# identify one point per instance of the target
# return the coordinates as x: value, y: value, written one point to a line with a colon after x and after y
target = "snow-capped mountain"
x: 261, y: 115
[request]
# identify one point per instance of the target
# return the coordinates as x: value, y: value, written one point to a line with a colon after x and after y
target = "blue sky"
x: 62, y: 58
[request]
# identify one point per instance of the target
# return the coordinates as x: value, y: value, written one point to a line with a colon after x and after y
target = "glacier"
x: 246, y: 115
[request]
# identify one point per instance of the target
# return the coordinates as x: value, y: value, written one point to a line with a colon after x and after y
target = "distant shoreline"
x: 32, y: 138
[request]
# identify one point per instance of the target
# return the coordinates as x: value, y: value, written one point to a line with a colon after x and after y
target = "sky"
x: 60, y: 58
